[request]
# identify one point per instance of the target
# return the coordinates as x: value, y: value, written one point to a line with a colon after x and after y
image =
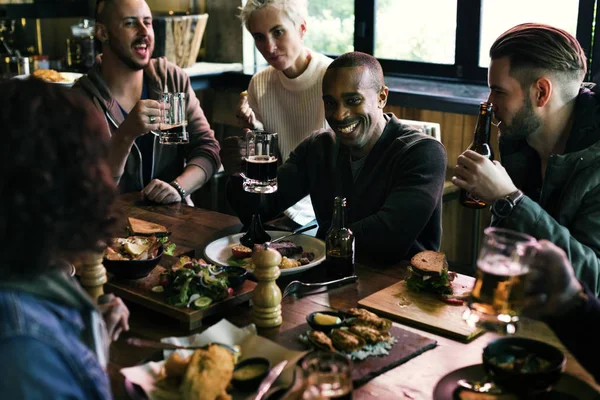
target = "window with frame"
x: 439, y: 39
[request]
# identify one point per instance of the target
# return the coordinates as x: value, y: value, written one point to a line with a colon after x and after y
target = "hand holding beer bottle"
x: 339, y: 243
x: 481, y: 145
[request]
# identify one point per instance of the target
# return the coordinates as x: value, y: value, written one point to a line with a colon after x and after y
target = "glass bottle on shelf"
x: 339, y: 243
x: 481, y: 145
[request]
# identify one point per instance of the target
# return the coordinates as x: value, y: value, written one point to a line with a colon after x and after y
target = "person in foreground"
x: 57, y: 185
x: 125, y: 85
x: 287, y: 96
x: 392, y: 176
x: 569, y: 307
x: 548, y: 184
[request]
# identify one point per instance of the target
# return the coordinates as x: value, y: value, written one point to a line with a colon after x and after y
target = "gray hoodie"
x: 168, y: 160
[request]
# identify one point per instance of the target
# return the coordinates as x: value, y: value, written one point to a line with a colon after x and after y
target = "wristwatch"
x: 503, y: 207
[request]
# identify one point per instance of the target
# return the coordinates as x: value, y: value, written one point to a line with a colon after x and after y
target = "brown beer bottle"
x: 339, y: 243
x: 481, y: 144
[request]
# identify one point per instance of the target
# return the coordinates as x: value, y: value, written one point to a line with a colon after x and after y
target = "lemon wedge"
x: 325, y: 319
x: 135, y: 249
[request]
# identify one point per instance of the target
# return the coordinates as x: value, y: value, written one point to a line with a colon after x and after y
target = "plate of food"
x: 210, y: 370
x: 53, y: 76
x: 299, y: 253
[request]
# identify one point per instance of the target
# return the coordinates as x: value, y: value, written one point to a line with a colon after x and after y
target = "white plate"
x: 70, y: 77
x: 219, y: 251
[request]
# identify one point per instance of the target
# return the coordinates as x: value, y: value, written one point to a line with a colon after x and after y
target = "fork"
x: 294, y: 286
x: 153, y: 344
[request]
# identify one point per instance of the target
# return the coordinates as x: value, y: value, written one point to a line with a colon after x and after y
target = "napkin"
x: 251, y: 344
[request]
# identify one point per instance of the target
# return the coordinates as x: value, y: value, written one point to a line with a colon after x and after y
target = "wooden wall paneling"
x: 432, y: 116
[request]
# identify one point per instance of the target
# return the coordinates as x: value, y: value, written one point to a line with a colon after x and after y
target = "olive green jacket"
x: 564, y: 207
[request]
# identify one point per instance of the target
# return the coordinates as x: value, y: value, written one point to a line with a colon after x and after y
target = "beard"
x: 523, y: 124
x: 121, y: 52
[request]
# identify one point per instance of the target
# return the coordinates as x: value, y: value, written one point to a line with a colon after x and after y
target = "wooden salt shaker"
x: 93, y: 274
x: 266, y: 299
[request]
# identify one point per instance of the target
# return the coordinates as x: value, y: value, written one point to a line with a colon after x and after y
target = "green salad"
x: 191, y: 283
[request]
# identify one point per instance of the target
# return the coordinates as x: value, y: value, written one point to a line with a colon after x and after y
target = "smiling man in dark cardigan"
x: 391, y: 175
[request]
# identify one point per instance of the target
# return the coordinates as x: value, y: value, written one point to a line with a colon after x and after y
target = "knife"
x: 266, y: 384
x: 297, y: 231
x: 152, y: 344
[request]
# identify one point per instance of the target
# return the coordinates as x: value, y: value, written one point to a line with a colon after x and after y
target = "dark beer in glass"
x: 260, y: 171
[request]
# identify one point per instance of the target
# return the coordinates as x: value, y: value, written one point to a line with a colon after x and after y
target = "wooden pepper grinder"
x: 93, y: 274
x: 267, y: 295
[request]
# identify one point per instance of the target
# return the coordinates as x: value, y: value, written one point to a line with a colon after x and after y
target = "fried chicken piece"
x: 48, y: 75
x: 208, y: 374
x: 362, y: 313
x: 371, y: 335
x: 367, y: 318
x: 346, y: 341
x: 321, y: 341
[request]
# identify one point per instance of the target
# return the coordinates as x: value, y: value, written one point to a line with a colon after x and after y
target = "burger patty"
x: 287, y: 248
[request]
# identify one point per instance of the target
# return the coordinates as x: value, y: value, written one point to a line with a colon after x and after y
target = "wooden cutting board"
x: 140, y: 292
x: 424, y: 310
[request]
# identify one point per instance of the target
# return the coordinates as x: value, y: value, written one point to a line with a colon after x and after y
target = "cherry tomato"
x: 229, y: 291
x: 239, y: 251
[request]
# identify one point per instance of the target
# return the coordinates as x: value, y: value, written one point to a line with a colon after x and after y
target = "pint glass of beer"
x: 498, y: 295
x: 173, y: 119
x: 260, y: 174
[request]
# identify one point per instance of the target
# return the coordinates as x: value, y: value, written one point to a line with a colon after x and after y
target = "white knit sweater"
x: 294, y: 109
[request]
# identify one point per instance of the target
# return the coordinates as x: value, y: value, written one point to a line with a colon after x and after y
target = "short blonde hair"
x: 296, y: 10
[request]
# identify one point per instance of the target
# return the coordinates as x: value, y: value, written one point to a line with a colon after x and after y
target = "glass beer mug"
x: 173, y: 119
x: 260, y: 171
x: 498, y: 294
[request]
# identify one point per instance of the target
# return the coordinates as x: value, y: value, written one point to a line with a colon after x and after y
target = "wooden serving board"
x: 409, y: 346
x: 140, y: 292
x: 424, y: 310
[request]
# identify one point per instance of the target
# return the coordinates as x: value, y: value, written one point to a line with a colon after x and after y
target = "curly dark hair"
x: 56, y: 191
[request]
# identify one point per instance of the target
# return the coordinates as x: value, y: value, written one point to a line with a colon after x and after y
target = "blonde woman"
x: 286, y: 97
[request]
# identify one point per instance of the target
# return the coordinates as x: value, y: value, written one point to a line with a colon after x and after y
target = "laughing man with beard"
x: 548, y: 184
x: 125, y: 84
x: 391, y: 175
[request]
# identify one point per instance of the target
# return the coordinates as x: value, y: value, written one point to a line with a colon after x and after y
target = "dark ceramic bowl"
x: 132, y: 269
x: 522, y: 365
x: 236, y: 275
x: 249, y: 373
x: 325, y: 328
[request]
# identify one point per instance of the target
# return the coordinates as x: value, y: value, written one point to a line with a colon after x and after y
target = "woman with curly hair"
x: 56, y: 195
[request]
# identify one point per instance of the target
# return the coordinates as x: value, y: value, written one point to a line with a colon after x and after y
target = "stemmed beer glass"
x: 260, y: 174
x: 498, y: 294
x: 260, y: 177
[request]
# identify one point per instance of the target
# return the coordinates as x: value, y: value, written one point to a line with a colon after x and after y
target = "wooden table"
x: 415, y: 379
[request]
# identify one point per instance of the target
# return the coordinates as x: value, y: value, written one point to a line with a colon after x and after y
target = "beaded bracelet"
x: 179, y: 189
